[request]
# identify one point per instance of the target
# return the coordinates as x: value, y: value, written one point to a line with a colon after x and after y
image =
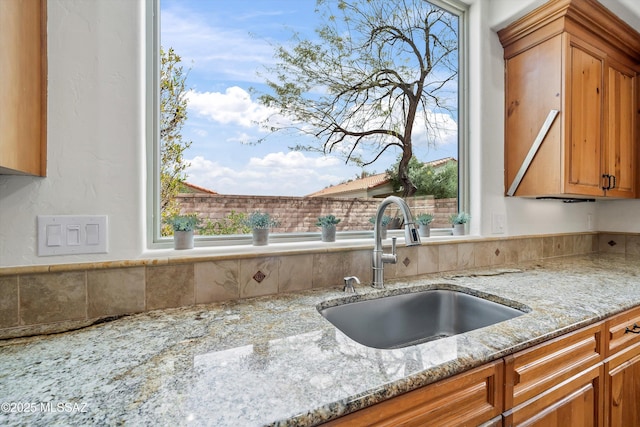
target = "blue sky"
x: 224, y: 45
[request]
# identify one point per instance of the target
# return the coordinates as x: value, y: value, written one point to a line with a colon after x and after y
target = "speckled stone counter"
x: 276, y: 360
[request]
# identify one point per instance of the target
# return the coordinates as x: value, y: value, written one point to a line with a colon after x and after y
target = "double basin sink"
x: 417, y: 316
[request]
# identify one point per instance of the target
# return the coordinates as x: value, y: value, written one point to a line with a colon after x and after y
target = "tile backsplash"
x: 60, y: 298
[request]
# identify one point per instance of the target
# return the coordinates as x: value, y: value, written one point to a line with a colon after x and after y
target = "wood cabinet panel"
x: 584, y: 141
x: 471, y: 398
x: 574, y: 402
x: 530, y: 372
x: 527, y: 108
x: 618, y: 338
x: 620, y: 137
x: 23, y: 87
x: 590, y: 58
x: 622, y: 388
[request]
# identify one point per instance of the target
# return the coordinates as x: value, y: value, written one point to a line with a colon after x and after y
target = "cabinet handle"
x: 614, y: 181
x: 632, y: 330
x: 608, y: 178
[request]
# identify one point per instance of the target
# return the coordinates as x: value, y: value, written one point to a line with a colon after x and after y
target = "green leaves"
x: 173, y: 114
x: 374, y: 70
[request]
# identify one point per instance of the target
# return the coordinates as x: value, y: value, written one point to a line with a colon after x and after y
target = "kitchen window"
x: 226, y: 48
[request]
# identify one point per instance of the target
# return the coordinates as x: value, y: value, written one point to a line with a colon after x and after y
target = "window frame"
x: 152, y: 130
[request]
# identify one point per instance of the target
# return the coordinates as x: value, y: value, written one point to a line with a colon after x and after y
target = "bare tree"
x: 376, y: 68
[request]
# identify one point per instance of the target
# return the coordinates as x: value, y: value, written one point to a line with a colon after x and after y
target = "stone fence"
x: 299, y: 214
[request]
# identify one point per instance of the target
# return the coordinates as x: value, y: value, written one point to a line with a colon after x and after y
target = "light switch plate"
x: 498, y: 221
x: 72, y: 234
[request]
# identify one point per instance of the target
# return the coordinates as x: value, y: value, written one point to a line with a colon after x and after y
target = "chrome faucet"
x: 348, y: 284
x: 411, y: 238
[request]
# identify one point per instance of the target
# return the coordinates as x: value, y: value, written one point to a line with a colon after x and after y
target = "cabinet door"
x: 533, y: 89
x: 23, y: 87
x: 619, y: 158
x: 584, y: 138
x: 622, y: 388
x: 468, y: 399
x: 575, y: 402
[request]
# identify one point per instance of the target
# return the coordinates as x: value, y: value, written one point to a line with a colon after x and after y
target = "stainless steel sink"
x: 411, y: 318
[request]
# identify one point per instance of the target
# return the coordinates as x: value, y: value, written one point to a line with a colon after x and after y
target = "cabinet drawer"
x: 470, y: 398
x: 618, y: 327
x: 532, y: 371
x: 574, y: 402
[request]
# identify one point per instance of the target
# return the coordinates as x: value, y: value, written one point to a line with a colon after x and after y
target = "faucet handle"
x: 393, y: 245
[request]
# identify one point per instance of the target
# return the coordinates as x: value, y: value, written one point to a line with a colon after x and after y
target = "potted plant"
x: 386, y: 219
x: 328, y: 224
x: 458, y: 221
x: 183, y: 228
x: 424, y: 220
x: 260, y: 223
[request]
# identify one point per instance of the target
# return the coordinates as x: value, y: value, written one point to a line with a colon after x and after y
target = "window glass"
x: 236, y: 138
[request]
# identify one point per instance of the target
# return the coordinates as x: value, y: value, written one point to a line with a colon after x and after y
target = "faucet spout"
x: 410, y: 235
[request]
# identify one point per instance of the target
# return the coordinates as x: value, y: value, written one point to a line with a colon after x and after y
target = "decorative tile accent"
x: 405, y: 266
x: 497, y: 252
x: 259, y: 276
x: 612, y: 243
x: 249, y: 285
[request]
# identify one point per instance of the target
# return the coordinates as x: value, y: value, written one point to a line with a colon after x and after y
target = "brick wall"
x: 299, y: 214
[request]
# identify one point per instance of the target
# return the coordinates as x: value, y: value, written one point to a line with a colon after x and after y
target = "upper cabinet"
x: 23, y: 87
x: 577, y: 58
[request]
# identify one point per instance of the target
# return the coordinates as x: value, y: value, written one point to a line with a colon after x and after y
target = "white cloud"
x: 292, y: 159
x: 233, y: 106
x: 280, y: 174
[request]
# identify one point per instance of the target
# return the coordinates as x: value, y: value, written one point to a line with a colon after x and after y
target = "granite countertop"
x: 277, y: 361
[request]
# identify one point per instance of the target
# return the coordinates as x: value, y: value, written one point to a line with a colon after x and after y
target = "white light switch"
x: 54, y: 235
x: 93, y: 234
x: 71, y: 234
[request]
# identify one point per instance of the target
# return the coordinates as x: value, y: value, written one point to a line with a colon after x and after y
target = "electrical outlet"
x: 590, y: 222
x: 498, y: 223
x: 71, y: 234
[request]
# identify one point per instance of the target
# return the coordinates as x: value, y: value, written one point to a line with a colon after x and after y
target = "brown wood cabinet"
x: 23, y: 87
x: 557, y: 383
x: 622, y: 370
x: 468, y: 399
x: 576, y: 57
x: 589, y: 377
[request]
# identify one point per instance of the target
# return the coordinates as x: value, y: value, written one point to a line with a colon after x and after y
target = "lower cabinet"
x: 472, y: 398
x: 587, y: 378
x: 622, y: 371
x: 556, y: 383
x: 574, y: 402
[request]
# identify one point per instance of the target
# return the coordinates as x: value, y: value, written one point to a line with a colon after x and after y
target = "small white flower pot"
x: 329, y: 233
x: 424, y: 230
x: 260, y: 236
x: 458, y: 229
x: 183, y: 239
